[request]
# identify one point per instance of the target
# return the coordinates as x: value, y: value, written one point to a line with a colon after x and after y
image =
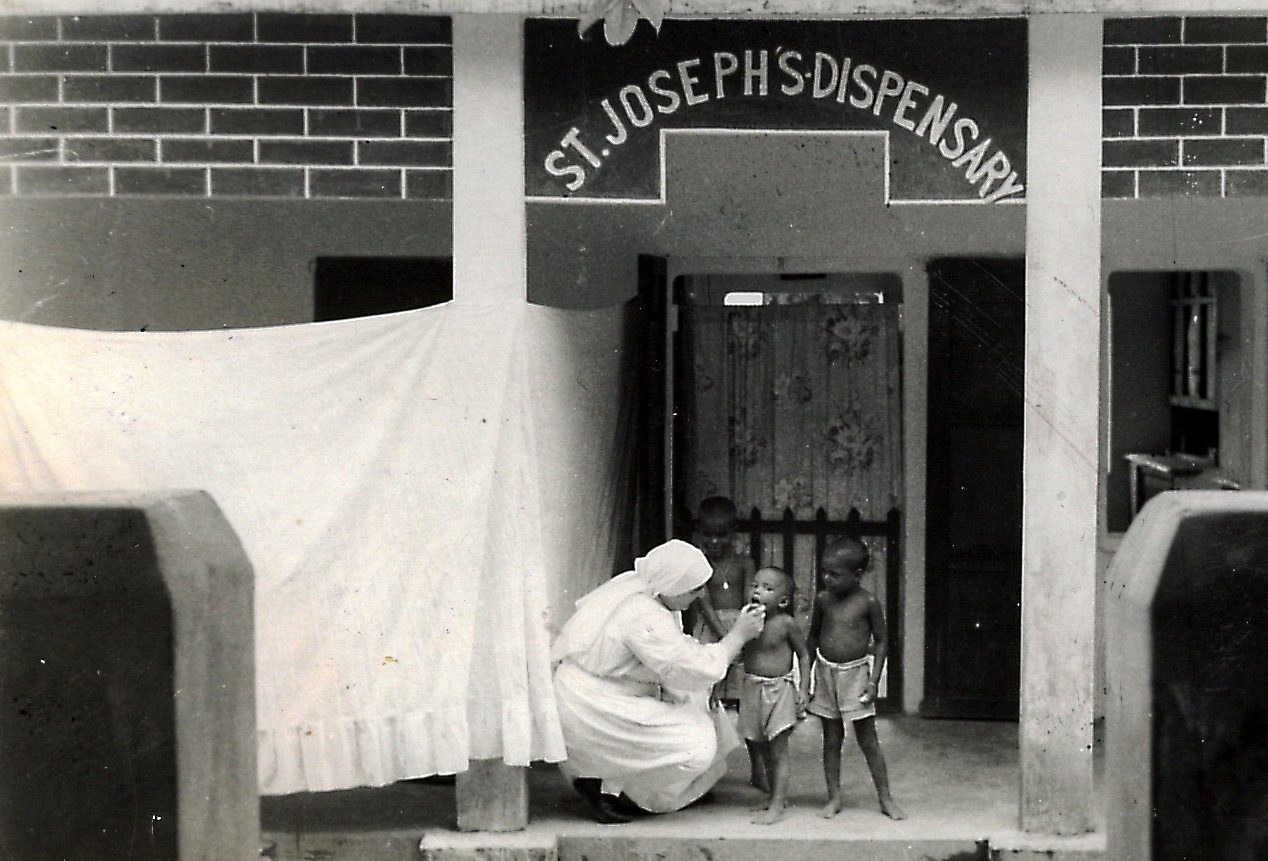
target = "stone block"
x: 1187, y: 665
x: 492, y: 796
x: 522, y: 846
x: 127, y: 722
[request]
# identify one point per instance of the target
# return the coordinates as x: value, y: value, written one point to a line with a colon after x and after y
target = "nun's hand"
x: 750, y: 622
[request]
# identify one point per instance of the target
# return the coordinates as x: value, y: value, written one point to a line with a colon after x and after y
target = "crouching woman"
x: 632, y: 688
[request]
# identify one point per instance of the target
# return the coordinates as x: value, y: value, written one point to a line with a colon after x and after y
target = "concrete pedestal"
x: 492, y: 796
x: 127, y: 721
x: 1187, y: 664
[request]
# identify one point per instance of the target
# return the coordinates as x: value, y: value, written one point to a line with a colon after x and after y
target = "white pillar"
x: 489, y: 226
x: 1061, y: 472
x: 489, y: 249
x: 915, y: 477
x: 1255, y: 302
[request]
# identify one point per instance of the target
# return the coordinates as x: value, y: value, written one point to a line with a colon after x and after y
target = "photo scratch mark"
x: 23, y: 156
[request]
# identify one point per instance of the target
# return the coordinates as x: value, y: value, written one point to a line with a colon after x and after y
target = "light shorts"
x: 837, y: 688
x: 768, y: 706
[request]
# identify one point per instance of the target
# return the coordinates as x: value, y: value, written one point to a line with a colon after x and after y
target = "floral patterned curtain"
x: 796, y: 405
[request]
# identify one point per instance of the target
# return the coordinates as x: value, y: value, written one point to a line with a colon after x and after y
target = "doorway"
x: 787, y: 399
x: 1179, y: 405
x: 345, y: 287
x: 977, y: 318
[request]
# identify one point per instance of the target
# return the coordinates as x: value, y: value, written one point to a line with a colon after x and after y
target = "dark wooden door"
x: 652, y: 404
x: 977, y: 319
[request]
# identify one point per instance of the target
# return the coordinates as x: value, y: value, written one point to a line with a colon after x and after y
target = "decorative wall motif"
x: 797, y: 406
x: 852, y: 440
x: 848, y: 337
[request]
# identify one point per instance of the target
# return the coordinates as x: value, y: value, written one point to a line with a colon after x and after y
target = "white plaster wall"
x: 1180, y: 234
x: 173, y: 264
x: 1212, y: 235
x: 123, y: 264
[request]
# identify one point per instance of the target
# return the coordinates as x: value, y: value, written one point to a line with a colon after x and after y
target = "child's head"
x: 716, y: 522
x: 774, y: 589
x: 845, y: 560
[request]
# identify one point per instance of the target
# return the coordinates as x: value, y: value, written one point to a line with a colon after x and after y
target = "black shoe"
x: 629, y: 806
x: 602, y: 807
x: 707, y: 798
x: 432, y: 780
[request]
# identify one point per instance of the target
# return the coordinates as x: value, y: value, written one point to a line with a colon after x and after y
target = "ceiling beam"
x: 674, y: 8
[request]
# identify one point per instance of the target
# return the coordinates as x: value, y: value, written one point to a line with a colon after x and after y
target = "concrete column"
x: 1063, y: 313
x: 489, y: 250
x: 915, y: 451
x: 492, y: 796
x: 128, y: 639
x: 489, y: 225
x: 1255, y: 303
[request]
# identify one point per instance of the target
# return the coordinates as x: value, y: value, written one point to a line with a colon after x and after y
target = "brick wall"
x: 1185, y: 107
x: 251, y: 104
x: 329, y: 105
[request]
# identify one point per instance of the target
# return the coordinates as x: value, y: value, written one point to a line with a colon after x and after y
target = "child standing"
x: 771, y: 703
x: 845, y: 619
x: 724, y: 597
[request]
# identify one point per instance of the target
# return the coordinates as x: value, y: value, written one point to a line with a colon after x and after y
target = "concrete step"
x: 957, y: 780
x: 612, y: 845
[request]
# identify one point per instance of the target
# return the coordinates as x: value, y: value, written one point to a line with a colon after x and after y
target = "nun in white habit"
x: 632, y: 688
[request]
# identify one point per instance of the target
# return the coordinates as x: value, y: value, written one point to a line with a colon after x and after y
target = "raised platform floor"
x: 958, y: 781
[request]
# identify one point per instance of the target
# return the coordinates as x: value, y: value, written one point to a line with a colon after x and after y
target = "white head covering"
x: 672, y: 568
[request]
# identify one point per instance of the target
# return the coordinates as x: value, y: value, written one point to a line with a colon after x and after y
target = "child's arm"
x: 816, y: 622
x: 881, y: 638
x: 798, y: 644
x: 705, y: 601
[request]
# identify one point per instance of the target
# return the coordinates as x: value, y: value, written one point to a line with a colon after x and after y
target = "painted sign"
x: 950, y: 95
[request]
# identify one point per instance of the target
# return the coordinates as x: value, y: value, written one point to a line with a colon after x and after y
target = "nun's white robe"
x: 633, y: 708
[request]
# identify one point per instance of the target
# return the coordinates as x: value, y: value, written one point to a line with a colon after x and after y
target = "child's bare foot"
x: 772, y: 815
x: 765, y: 805
x: 831, y: 809
x: 892, y: 810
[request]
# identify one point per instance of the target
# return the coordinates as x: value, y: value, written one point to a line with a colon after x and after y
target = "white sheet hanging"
x: 417, y: 492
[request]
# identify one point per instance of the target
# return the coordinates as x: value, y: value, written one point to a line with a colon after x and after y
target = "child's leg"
x: 833, y: 735
x: 758, y: 774
x: 865, y: 732
x: 759, y: 762
x: 776, y: 751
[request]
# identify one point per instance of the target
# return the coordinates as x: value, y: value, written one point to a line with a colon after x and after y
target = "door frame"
x: 910, y: 621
